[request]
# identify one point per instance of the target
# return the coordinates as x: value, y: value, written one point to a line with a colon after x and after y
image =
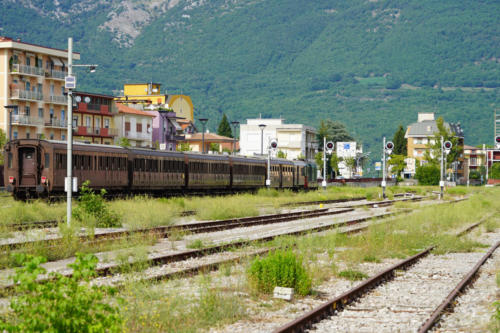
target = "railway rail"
x: 339, y: 303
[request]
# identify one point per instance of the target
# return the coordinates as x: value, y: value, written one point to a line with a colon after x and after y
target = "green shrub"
x: 63, y: 304
x: 495, y: 171
x: 474, y: 174
x: 428, y: 174
x: 92, y: 206
x: 279, y: 269
x: 352, y: 275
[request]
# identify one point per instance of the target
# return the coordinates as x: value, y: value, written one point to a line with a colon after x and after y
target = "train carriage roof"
x: 222, y: 158
x: 149, y: 152
x: 76, y: 145
x: 242, y: 159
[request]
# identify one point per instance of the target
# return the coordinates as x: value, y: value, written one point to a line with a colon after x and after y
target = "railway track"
x: 196, y: 227
x: 54, y: 223
x: 399, y: 298
x: 157, y: 260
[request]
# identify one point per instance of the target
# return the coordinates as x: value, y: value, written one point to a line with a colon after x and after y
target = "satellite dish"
x: 78, y: 99
x: 87, y: 99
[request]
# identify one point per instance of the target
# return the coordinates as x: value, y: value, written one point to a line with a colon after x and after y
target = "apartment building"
x: 93, y: 118
x: 32, y: 84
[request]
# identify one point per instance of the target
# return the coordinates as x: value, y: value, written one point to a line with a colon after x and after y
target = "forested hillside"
x: 370, y: 64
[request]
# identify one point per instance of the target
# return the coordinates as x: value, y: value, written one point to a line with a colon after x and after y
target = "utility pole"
x: 268, y: 180
x: 383, y: 172
x: 69, y: 157
x: 441, y: 182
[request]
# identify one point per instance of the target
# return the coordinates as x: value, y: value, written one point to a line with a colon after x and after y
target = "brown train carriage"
x: 207, y: 172
x: 247, y: 173
x: 38, y: 167
x: 282, y: 173
x: 156, y: 170
x: 299, y: 178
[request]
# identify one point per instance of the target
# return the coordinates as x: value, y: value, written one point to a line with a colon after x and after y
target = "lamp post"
x: 234, y: 123
x: 262, y: 126
x: 203, y: 122
x: 70, y: 84
x: 11, y: 108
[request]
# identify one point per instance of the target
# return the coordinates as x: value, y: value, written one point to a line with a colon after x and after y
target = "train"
x: 36, y: 168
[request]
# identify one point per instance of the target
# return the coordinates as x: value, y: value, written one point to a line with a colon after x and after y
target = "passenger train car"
x: 37, y: 168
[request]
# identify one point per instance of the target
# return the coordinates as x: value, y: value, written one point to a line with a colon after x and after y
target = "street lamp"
x: 11, y: 108
x: 203, y: 122
x: 262, y: 126
x: 70, y: 84
x: 234, y: 123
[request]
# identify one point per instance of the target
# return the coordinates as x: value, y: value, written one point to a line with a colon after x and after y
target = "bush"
x: 63, y: 304
x: 474, y: 174
x: 428, y: 174
x: 279, y: 269
x: 93, y: 206
x: 495, y: 171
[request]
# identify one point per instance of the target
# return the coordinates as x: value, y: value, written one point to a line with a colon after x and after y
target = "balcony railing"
x: 96, y: 131
x: 137, y: 135
x: 56, y: 123
x: 27, y: 95
x: 58, y: 99
x: 57, y: 74
x: 27, y: 70
x: 18, y: 119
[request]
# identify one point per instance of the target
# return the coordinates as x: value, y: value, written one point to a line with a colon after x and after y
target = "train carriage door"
x: 27, y: 168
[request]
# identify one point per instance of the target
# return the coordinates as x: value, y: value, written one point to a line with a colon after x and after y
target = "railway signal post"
x: 388, y: 146
x: 445, y: 150
x: 327, y: 148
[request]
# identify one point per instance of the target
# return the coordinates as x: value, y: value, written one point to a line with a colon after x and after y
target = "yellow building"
x: 150, y: 94
x: 182, y: 106
x: 32, y: 79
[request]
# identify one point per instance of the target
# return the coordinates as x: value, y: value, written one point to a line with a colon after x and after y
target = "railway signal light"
x: 274, y: 144
x: 497, y: 141
x: 329, y: 147
x: 389, y: 146
x: 447, y: 147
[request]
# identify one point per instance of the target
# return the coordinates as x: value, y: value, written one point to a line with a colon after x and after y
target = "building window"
x: 15, y: 135
x: 88, y: 121
x: 127, y: 126
x: 75, y: 121
x: 51, y: 136
x: 28, y: 86
x: 40, y: 113
x: 27, y: 111
x: 139, y: 128
x: 28, y: 61
x: 51, y: 90
x: 98, y: 122
x: 63, y: 137
x: 106, y: 123
x: 28, y: 135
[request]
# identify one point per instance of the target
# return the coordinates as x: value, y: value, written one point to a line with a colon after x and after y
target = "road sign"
x: 70, y: 82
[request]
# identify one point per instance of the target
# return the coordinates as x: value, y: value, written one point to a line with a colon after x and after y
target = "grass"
x: 162, y: 308
x: 352, y: 275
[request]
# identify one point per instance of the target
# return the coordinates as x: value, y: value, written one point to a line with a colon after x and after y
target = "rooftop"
x: 209, y: 137
x: 15, y: 43
x: 128, y: 110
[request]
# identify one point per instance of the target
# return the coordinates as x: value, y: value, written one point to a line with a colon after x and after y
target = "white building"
x: 135, y: 125
x: 347, y: 150
x: 293, y: 139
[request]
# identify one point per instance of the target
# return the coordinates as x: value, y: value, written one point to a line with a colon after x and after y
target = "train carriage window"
x: 47, y: 160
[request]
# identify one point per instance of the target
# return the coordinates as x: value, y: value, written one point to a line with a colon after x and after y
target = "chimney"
x: 425, y: 116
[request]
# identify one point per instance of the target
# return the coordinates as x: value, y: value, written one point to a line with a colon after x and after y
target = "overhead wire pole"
x: 383, y: 171
x: 441, y: 182
x: 69, y: 157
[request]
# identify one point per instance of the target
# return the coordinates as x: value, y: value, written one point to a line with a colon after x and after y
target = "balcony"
x: 18, y: 119
x: 57, y: 123
x: 138, y: 135
x: 27, y: 95
x: 58, y: 99
x: 96, y: 131
x: 57, y: 75
x: 27, y: 70
x: 94, y: 108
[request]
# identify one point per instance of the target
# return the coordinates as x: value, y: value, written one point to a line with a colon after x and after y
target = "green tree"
x: 428, y: 174
x: 124, y: 142
x: 334, y: 131
x: 350, y: 163
x: 224, y: 128
x: 397, y: 163
x: 3, y: 141
x: 334, y: 163
x: 494, y: 171
x: 318, y: 158
x: 215, y: 147
x: 400, y: 143
x: 281, y: 154
x: 432, y: 155
x: 183, y: 146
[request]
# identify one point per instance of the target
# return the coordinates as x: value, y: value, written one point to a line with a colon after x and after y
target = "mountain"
x: 371, y: 64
